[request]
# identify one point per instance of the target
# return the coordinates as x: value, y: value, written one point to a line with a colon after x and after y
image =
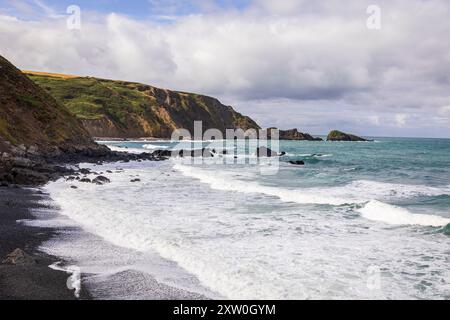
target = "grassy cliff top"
x: 138, y: 109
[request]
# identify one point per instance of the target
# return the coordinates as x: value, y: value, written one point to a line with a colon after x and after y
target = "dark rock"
x: 100, y: 180
x: 163, y: 154
x: 294, y: 134
x: 73, y: 187
x: 19, y: 258
x: 85, y: 171
x: 86, y: 180
x: 341, y: 136
x: 297, y: 163
x: 135, y: 180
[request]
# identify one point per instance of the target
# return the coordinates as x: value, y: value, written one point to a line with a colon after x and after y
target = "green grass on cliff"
x: 90, y: 98
x: 136, y: 110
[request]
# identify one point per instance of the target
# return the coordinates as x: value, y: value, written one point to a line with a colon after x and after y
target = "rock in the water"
x: 86, y: 180
x: 135, y: 180
x: 297, y: 163
x: 100, y: 180
x: 341, y: 136
x: 19, y: 258
x: 85, y: 171
x: 295, y: 135
x: 205, y: 152
x: 73, y: 187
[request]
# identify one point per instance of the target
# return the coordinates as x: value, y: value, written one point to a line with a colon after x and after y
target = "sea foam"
x: 383, y: 212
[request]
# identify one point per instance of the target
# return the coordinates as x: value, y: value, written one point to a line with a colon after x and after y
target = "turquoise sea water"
x: 407, y: 162
x: 366, y: 220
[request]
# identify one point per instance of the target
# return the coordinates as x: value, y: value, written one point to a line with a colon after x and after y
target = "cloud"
x: 307, y: 64
x: 400, y: 120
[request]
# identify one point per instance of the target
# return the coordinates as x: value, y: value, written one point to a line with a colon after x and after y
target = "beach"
x: 34, y: 281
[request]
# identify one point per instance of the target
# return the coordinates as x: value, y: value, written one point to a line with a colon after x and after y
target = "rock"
x: 135, y: 180
x: 109, y: 171
x: 19, y: 258
x: 21, y: 162
x: 71, y: 178
x: 86, y: 180
x: 162, y: 154
x: 100, y: 180
x: 85, y: 171
x: 341, y: 136
x: 297, y: 163
x: 266, y: 152
x: 73, y: 187
x: 22, y: 176
x: 33, y: 150
x: 296, y: 135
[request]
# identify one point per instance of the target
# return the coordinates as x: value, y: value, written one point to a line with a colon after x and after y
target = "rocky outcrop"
x: 294, y: 135
x: 38, y: 134
x: 341, y: 136
x: 118, y: 109
x: 205, y: 153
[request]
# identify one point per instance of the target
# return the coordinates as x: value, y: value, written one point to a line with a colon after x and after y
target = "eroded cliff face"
x: 117, y: 109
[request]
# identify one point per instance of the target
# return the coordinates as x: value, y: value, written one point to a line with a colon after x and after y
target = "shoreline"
x: 26, y: 223
x: 32, y: 279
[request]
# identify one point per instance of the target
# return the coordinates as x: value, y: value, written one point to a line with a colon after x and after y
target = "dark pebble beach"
x: 32, y: 279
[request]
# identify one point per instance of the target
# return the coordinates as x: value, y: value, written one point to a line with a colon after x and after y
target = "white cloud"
x: 444, y: 111
x: 314, y: 63
x: 400, y: 120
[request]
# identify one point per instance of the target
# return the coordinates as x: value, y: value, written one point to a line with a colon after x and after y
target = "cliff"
x: 118, y: 109
x: 33, y: 122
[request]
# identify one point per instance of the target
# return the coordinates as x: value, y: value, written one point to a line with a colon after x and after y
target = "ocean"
x: 360, y: 220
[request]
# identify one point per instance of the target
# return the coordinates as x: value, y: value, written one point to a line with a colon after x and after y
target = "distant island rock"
x: 294, y: 135
x: 341, y: 136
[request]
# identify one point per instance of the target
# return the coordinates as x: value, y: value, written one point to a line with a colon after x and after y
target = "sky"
x: 314, y: 65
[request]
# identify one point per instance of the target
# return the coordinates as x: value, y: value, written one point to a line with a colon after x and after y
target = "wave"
x: 357, y: 192
x: 221, y: 181
x: 154, y: 147
x: 123, y: 149
x: 383, y: 212
x: 383, y: 190
x: 350, y: 194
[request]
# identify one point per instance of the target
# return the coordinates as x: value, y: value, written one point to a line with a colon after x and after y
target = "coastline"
x: 27, y: 217
x: 34, y: 280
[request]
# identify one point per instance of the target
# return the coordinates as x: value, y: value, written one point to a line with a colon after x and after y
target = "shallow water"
x: 360, y: 220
